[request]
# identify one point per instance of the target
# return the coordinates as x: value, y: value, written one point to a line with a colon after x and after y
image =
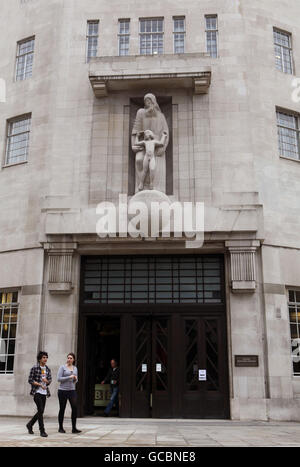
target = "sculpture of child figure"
x: 150, y: 144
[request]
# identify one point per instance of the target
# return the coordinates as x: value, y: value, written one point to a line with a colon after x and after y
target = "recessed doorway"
x: 103, y: 344
x: 164, y: 318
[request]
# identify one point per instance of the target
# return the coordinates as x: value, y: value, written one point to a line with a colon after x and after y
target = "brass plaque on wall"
x: 246, y: 360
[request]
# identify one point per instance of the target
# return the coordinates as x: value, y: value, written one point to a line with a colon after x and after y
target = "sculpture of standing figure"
x: 151, y: 176
x: 149, y: 163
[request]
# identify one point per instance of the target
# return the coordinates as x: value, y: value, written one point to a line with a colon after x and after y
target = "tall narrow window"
x: 24, y: 63
x: 294, y: 313
x: 18, y: 131
x: 211, y: 22
x: 151, y: 36
x: 92, y: 39
x: 288, y: 135
x: 8, y: 329
x: 283, y: 51
x: 179, y: 34
x: 124, y: 36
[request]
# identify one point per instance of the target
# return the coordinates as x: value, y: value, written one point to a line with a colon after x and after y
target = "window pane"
x: 8, y: 328
x: 124, y: 38
x: 151, y: 36
x: 211, y: 22
x: 212, y: 43
x: 294, y: 314
x: 92, y: 39
x: 142, y: 25
x: 18, y: 140
x: 93, y: 28
x: 282, y: 38
x: 154, y: 280
x: 179, y: 25
x: 288, y: 135
x: 283, y: 51
x: 124, y: 27
x: 24, y: 60
x: 179, y: 35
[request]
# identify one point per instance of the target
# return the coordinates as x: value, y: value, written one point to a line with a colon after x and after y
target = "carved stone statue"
x: 150, y: 138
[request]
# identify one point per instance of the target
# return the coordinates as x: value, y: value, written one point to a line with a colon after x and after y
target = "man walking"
x: 112, y: 377
x: 40, y: 378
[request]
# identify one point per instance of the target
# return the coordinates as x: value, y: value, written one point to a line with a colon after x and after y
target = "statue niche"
x: 150, y: 139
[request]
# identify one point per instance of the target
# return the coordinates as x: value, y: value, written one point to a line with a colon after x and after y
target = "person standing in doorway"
x: 113, y: 378
x: 40, y: 378
x: 67, y: 376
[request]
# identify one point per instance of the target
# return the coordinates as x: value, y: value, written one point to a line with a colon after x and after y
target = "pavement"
x: 121, y: 432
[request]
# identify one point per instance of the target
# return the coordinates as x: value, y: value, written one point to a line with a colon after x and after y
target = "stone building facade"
x: 230, y: 98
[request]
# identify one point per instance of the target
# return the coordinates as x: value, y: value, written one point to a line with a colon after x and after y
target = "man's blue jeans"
x: 113, y: 399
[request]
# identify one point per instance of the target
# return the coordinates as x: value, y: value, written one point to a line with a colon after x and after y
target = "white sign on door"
x: 158, y: 367
x: 202, y: 375
x: 144, y: 367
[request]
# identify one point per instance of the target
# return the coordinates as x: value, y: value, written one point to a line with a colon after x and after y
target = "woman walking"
x: 67, y: 377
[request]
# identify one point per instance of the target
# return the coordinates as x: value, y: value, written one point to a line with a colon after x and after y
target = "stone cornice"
x: 109, y: 74
x: 198, y: 81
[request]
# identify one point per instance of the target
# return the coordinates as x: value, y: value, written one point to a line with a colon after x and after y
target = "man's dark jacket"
x: 113, y: 377
x: 36, y: 375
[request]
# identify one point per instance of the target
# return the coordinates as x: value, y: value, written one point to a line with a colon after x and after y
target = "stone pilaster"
x: 60, y: 267
x: 243, y: 265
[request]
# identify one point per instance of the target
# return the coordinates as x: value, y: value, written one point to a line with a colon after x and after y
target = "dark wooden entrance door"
x: 151, y: 395
x: 205, y: 386
x: 179, y: 367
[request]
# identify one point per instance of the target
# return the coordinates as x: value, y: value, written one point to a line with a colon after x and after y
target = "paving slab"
x: 120, y: 432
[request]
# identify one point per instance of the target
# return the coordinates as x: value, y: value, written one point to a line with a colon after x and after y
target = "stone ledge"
x: 198, y: 81
x: 243, y: 286
x: 60, y: 287
x: 109, y: 74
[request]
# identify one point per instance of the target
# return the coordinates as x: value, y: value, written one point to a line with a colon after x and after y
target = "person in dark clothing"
x: 39, y: 378
x: 113, y: 378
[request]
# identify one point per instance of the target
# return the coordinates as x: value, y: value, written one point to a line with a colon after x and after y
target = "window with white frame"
x: 179, y: 34
x: 151, y: 36
x: 24, y: 61
x: 294, y: 314
x: 8, y: 329
x: 124, y: 36
x: 288, y: 134
x: 211, y: 31
x: 92, y: 36
x: 17, y: 146
x: 283, y: 51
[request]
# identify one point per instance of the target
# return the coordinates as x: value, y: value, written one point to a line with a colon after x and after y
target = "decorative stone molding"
x: 60, y: 267
x: 99, y: 87
x: 201, y: 85
x: 198, y: 81
x: 243, y: 265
